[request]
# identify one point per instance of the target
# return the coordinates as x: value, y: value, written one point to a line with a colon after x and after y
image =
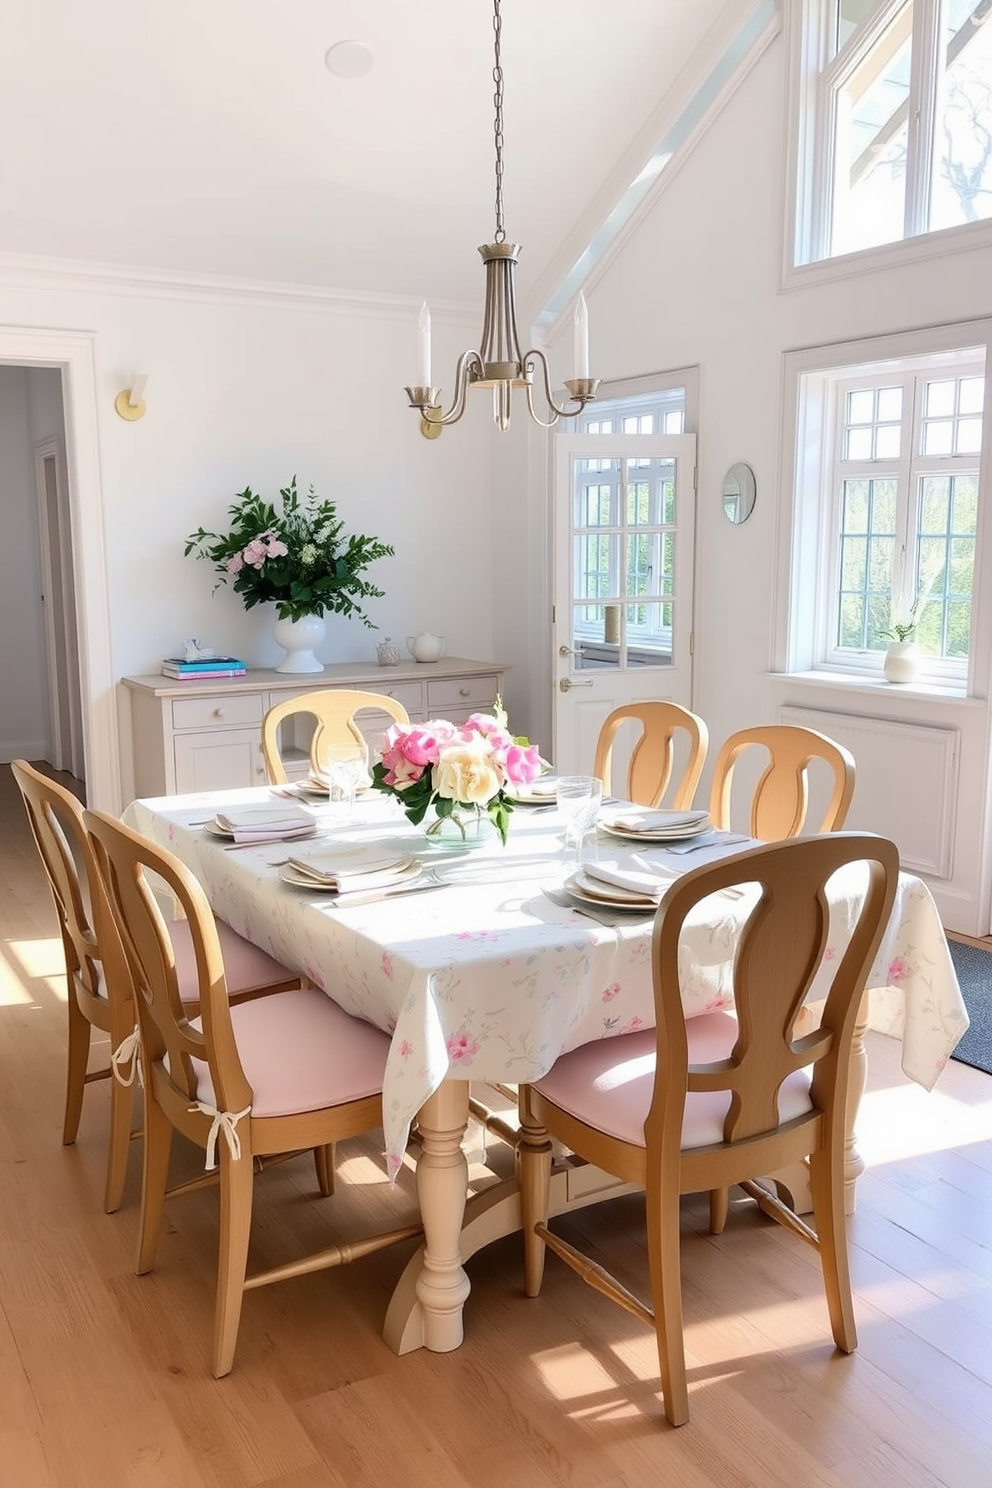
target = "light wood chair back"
x: 780, y: 803
x: 233, y: 1080
x: 334, y: 709
x: 747, y: 1065
x: 99, y: 984
x: 652, y: 759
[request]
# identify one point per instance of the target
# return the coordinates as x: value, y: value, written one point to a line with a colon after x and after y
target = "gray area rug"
x: 974, y: 969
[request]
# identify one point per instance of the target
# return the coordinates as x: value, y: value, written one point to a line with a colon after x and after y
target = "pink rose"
x: 235, y: 564
x: 255, y: 553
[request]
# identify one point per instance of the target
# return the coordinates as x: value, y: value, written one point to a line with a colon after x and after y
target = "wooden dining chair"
x: 780, y: 803
x: 99, y: 983
x: 652, y: 760
x: 243, y: 1081
x: 695, y: 1104
x: 334, y: 709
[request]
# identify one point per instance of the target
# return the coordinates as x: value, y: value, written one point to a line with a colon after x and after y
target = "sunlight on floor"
x: 905, y: 1121
x: 24, y: 961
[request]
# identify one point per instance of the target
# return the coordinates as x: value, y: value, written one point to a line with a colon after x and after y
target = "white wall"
x: 24, y: 722
x: 252, y: 388
x: 699, y: 283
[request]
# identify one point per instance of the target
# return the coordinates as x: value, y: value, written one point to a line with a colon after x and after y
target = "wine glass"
x: 579, y: 800
x: 345, y: 767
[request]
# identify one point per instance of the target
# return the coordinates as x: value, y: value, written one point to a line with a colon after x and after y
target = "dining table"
x: 489, y: 975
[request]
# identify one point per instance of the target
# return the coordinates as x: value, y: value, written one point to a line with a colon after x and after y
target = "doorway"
x: 72, y: 354
x: 58, y: 597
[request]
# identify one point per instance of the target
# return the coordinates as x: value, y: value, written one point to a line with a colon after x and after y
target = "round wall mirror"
x: 739, y: 491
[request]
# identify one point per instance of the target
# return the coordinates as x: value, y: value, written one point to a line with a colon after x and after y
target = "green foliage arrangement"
x: 298, y: 558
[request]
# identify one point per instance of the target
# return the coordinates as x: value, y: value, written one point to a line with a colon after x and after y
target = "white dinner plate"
x: 377, y: 881
x: 590, y: 891
x: 296, y: 834
x: 662, y: 834
x: 526, y: 795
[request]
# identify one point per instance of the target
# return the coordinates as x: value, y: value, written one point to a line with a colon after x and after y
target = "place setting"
x: 249, y: 826
x: 353, y: 873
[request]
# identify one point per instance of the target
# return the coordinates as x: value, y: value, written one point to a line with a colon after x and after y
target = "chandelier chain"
x: 498, y: 122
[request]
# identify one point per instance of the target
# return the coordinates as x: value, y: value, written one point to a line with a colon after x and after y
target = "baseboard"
x: 28, y: 749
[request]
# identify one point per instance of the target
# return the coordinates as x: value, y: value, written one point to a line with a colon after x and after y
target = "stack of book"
x: 204, y: 666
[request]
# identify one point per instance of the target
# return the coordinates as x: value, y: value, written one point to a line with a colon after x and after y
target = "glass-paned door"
x: 624, y: 520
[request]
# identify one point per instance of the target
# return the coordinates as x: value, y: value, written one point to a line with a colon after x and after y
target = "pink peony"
x: 255, y: 553
x: 235, y: 564
x: 522, y: 763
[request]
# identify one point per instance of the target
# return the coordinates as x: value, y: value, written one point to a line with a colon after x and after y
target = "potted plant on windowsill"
x: 902, y: 658
x: 300, y: 559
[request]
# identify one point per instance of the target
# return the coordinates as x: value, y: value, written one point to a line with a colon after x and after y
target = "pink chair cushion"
x: 248, y: 968
x: 608, y: 1084
x: 301, y: 1052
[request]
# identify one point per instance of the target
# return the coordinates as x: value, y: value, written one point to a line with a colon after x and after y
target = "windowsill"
x: 852, y: 682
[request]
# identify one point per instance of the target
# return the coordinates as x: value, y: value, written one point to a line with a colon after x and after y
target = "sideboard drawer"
x: 225, y: 710
x: 474, y: 693
x: 410, y: 694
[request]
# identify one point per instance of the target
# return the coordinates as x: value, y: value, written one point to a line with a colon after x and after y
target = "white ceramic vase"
x: 902, y: 661
x: 298, y: 639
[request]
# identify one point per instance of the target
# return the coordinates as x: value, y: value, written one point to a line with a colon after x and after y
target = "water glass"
x: 579, y: 800
x: 345, y: 767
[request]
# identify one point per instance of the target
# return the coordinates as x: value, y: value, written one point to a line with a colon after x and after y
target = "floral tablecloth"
x: 488, y: 979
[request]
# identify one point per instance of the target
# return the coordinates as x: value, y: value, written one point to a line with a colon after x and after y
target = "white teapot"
x: 426, y: 646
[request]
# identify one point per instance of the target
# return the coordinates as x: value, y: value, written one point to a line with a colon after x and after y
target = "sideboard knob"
x: 464, y: 691
x: 218, y: 712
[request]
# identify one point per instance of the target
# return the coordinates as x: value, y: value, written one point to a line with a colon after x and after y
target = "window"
x: 896, y: 126
x: 888, y: 481
x: 625, y: 531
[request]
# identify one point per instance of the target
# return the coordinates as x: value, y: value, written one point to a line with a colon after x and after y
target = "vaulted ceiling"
x: 208, y: 136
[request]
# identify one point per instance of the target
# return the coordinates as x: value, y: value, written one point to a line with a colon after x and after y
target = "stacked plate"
x: 540, y: 792
x: 638, y: 824
x: 620, y: 885
x: 262, y: 823
x: 351, y: 868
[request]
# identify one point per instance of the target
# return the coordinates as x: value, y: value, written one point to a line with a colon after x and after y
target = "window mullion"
x: 922, y: 121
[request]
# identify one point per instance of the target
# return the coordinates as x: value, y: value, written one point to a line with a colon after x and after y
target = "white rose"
x: 465, y: 772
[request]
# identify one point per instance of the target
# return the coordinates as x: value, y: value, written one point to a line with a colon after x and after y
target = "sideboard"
x: 205, y: 735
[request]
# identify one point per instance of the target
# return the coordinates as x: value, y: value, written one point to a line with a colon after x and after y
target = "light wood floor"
x: 103, y: 1375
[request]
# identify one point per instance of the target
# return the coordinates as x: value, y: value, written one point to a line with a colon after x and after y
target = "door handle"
x: 566, y: 684
x: 565, y: 651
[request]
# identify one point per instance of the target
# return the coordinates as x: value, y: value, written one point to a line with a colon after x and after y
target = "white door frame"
x: 74, y: 353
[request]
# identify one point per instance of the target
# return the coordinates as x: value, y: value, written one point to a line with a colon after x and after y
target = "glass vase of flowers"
x: 298, y: 558
x: 458, y: 770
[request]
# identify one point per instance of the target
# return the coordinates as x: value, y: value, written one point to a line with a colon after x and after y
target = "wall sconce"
x: 130, y: 403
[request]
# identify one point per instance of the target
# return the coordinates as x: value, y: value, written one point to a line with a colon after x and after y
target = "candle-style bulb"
x: 581, y: 337
x: 424, y: 376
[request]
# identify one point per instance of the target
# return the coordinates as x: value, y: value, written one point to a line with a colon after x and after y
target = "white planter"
x: 902, y: 661
x: 298, y: 638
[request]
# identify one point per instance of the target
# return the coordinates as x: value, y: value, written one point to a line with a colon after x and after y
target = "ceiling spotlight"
x: 349, y: 59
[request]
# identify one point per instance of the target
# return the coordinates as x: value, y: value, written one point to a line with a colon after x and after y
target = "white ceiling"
x: 208, y: 137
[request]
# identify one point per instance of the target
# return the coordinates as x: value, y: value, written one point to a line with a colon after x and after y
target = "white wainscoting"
x: 920, y: 820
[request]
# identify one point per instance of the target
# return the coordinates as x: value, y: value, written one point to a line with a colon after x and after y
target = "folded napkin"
x: 651, y: 884
x: 324, y: 780
x: 265, y: 823
x: 675, y: 823
x: 348, y: 869
x: 545, y: 786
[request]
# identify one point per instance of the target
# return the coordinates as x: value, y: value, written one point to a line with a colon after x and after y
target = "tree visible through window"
x: 900, y: 115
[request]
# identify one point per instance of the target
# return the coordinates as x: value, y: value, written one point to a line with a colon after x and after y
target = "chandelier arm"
x: 543, y: 423
x: 579, y: 401
x: 469, y: 360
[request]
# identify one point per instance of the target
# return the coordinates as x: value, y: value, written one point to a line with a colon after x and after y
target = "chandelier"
x: 498, y: 364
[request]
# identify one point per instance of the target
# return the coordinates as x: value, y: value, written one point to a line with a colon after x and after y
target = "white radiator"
x: 907, y: 782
